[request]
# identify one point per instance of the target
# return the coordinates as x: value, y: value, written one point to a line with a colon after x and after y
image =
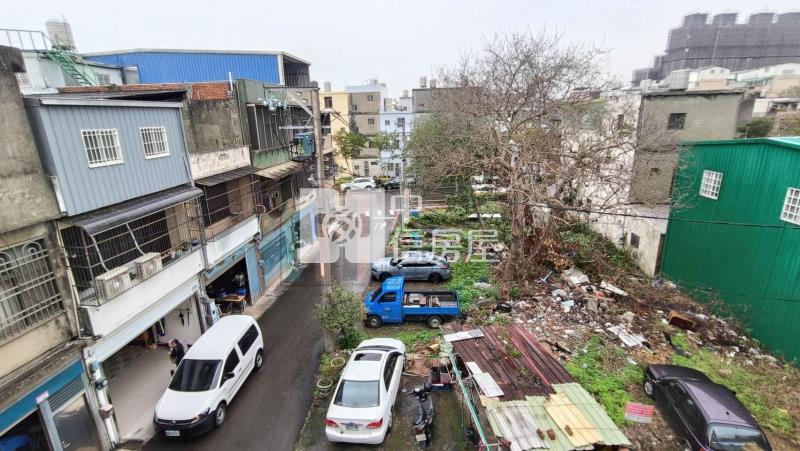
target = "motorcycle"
x: 423, y: 415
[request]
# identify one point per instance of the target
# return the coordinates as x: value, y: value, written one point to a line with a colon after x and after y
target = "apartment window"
x: 387, y: 122
x: 370, y: 98
x: 791, y: 206
x: 103, y: 79
x: 354, y: 107
x: 102, y: 147
x: 22, y: 80
x: 620, y: 121
x: 634, y: 240
x: 676, y: 121
x: 709, y: 186
x: 154, y: 140
x: 401, y: 122
x: 328, y: 102
x: 370, y: 121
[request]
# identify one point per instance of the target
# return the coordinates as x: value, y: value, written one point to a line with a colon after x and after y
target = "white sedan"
x: 361, y: 408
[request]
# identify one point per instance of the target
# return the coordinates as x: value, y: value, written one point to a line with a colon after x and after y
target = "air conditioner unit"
x: 147, y: 265
x: 112, y: 283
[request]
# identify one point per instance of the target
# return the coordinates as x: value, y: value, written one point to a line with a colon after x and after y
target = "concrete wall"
x: 211, y: 118
x: 360, y: 103
x: 364, y: 127
x: 708, y: 116
x: 26, y: 195
x: 31, y: 345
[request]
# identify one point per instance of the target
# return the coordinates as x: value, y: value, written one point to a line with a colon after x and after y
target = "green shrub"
x: 350, y: 338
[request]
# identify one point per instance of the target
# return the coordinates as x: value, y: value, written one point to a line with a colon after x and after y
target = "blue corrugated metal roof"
x: 159, y: 66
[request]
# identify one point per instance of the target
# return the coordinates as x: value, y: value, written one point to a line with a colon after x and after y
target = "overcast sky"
x: 350, y: 41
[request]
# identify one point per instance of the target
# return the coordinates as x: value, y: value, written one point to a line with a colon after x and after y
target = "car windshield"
x: 195, y: 375
x: 733, y: 438
x: 357, y: 394
x: 375, y: 294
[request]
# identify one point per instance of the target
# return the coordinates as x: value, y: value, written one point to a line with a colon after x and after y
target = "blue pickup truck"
x: 391, y: 304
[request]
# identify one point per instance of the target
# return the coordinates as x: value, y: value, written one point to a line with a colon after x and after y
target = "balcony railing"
x: 29, y: 295
x: 227, y: 204
x: 107, y: 263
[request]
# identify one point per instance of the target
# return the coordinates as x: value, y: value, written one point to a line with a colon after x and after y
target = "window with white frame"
x: 791, y: 206
x: 709, y: 186
x: 102, y: 147
x: 154, y: 140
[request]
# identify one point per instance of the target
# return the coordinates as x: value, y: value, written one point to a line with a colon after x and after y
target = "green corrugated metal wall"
x: 754, y: 270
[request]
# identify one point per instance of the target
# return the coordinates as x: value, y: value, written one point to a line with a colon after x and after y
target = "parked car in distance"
x: 703, y: 414
x: 488, y: 190
x: 358, y: 184
x: 392, y: 184
x: 413, y: 265
x: 208, y: 377
x: 362, y: 404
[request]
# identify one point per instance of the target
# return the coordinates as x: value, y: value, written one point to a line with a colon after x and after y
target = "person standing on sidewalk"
x: 176, y: 351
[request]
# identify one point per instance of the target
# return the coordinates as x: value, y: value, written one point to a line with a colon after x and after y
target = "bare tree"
x: 527, y: 109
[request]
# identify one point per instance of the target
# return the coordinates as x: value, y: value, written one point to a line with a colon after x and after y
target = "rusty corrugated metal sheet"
x: 529, y: 371
x: 590, y: 408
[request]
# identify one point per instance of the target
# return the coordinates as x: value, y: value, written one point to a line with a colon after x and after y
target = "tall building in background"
x: 765, y: 39
x: 366, y: 104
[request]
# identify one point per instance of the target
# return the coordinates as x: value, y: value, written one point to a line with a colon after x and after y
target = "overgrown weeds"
x: 464, y: 277
x: 604, y: 372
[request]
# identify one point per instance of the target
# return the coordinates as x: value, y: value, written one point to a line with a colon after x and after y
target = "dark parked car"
x: 704, y: 415
x: 392, y: 184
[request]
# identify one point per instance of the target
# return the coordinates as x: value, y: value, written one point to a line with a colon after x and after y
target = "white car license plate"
x: 421, y: 437
x: 351, y: 427
x: 172, y: 433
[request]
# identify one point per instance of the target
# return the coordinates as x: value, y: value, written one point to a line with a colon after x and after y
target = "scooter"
x: 423, y: 415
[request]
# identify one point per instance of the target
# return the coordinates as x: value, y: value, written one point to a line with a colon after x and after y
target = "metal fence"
x: 29, y: 295
x: 110, y: 262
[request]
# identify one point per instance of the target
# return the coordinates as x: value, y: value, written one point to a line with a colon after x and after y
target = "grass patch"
x: 410, y: 334
x: 764, y: 390
x: 604, y: 372
x: 464, y: 276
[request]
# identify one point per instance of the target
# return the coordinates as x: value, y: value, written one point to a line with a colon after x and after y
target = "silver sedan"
x: 414, y: 266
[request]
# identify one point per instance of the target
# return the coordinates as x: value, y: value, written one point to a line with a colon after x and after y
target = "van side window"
x: 248, y: 339
x: 231, y: 361
x: 388, y: 297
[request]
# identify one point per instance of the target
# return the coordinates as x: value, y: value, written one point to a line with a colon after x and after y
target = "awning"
x: 109, y: 217
x: 227, y: 176
x: 327, y: 151
x: 281, y: 170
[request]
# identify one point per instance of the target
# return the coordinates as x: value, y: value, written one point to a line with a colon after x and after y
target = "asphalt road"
x: 269, y: 410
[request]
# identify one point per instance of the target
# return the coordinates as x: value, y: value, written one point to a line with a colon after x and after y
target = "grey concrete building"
x: 765, y: 39
x: 667, y: 118
x: 44, y: 392
x: 365, y: 103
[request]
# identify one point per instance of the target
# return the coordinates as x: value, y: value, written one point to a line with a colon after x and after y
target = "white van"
x: 208, y: 377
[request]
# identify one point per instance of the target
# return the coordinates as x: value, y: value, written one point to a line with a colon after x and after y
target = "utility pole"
x: 324, y: 252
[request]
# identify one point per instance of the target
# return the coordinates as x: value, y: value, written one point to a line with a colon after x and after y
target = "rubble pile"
x: 564, y: 311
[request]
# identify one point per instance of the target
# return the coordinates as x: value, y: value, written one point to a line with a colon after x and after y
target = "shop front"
x: 234, y: 282
x: 58, y: 414
x: 131, y: 365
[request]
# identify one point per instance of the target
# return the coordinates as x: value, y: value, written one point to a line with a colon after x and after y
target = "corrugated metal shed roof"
x: 589, y: 407
x: 280, y: 170
x: 514, y: 421
x: 227, y: 176
x: 579, y: 429
x: 531, y: 369
x: 182, y: 66
x: 229, y: 52
x: 546, y: 423
x: 792, y: 142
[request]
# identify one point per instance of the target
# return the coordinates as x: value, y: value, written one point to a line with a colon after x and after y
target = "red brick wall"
x: 210, y: 91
